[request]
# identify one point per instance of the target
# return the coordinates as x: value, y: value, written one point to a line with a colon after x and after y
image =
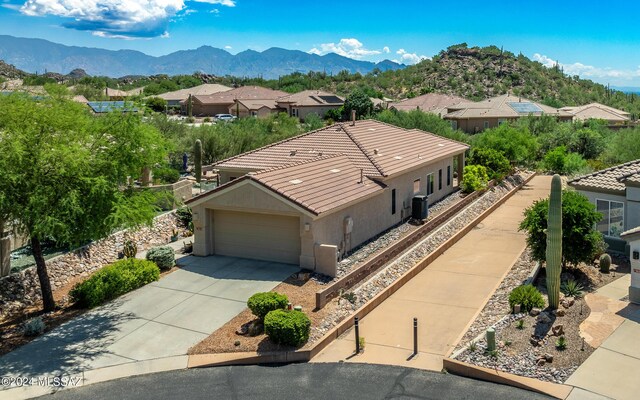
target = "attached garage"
x: 258, y: 236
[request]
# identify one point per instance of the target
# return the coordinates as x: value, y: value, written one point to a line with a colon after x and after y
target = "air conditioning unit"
x: 419, y: 208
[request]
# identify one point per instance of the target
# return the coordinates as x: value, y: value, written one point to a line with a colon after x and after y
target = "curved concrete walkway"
x: 446, y: 296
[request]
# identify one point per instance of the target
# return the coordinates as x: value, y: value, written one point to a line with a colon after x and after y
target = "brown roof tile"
x: 436, y: 103
x: 505, y: 106
x: 610, y: 179
x: 312, y: 98
x: 241, y: 93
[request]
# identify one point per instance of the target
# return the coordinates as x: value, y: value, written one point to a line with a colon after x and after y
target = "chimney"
x: 353, y: 117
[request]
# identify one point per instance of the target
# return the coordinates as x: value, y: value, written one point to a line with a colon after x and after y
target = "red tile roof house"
x: 615, y: 192
x: 309, y: 199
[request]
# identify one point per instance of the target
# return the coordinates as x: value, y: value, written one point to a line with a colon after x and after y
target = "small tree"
x: 157, y: 104
x: 580, y: 241
x: 495, y: 162
x: 475, y: 178
x: 358, y: 101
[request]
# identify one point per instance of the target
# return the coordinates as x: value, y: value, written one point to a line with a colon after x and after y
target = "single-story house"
x: 474, y: 117
x: 311, y: 199
x: 615, y: 192
x: 227, y: 102
x: 435, y: 103
x: 115, y: 94
x: 173, y: 99
x: 254, y: 108
x: 613, y: 116
x: 308, y: 102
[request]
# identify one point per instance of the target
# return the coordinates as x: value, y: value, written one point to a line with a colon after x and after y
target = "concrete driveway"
x: 162, y: 319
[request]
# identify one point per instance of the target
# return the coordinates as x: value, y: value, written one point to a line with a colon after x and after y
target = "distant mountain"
x: 41, y: 56
x: 627, y: 89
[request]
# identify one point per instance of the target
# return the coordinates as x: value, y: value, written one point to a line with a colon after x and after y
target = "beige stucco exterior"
x: 370, y: 215
x: 303, y: 111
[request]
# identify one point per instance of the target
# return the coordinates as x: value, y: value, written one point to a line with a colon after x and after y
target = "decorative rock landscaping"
x: 21, y: 290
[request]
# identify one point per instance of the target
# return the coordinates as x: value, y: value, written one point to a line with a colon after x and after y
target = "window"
x: 294, y: 112
x: 454, y: 125
x: 416, y: 186
x: 440, y: 179
x: 254, y: 113
x: 612, y: 223
x: 486, y: 124
x: 501, y: 121
x: 429, y: 184
x: 448, y: 175
x: 393, y: 201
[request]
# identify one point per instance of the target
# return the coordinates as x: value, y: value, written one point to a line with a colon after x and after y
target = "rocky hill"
x: 8, y: 71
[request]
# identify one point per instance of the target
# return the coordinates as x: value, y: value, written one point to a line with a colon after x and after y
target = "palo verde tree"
x: 63, y: 173
x: 580, y: 241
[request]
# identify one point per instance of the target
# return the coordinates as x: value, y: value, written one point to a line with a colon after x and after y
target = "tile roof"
x: 201, y: 90
x: 115, y: 93
x: 258, y: 104
x: 630, y: 232
x: 241, y: 93
x: 597, y: 111
x: 436, y: 103
x: 377, y: 148
x: 610, y: 179
x: 505, y: 106
x: 319, y: 185
x: 308, y: 98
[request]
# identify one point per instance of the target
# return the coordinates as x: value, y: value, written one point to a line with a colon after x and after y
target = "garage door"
x: 257, y: 236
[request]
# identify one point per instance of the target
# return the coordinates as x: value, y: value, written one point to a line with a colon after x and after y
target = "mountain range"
x: 40, y: 56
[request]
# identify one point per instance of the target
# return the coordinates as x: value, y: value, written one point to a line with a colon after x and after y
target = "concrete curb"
x: 97, y: 375
x: 459, y: 368
x: 208, y: 360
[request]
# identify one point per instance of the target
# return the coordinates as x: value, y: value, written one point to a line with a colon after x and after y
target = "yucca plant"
x: 572, y: 288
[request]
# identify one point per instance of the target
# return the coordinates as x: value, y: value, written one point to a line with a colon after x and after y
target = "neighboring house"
x: 313, y: 198
x: 254, y: 108
x: 115, y: 94
x: 615, y: 192
x: 436, y: 103
x: 173, y: 99
x: 474, y: 117
x: 309, y: 102
x: 80, y: 99
x: 101, y: 107
x: 229, y: 101
x: 613, y: 116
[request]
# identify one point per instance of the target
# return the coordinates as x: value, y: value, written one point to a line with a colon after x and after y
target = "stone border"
x: 363, y: 271
x: 460, y: 368
x: 207, y: 360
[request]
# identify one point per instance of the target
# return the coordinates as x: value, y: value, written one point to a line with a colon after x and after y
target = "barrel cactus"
x: 130, y: 249
x: 605, y: 263
x: 197, y: 159
x: 554, y: 242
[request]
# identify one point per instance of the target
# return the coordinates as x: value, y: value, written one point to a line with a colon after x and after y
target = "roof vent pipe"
x: 353, y: 117
x: 361, y: 175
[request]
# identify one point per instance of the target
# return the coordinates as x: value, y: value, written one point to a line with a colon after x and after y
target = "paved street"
x: 162, y: 319
x: 296, y: 381
x: 446, y: 296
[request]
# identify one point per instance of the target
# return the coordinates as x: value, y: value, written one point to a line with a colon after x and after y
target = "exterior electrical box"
x: 419, y: 207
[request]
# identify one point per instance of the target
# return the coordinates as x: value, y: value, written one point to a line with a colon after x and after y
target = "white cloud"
x: 228, y: 3
x: 409, y: 58
x: 386, y: 49
x: 588, y: 71
x: 115, y: 18
x: 228, y: 47
x: 349, y: 47
x: 215, y: 11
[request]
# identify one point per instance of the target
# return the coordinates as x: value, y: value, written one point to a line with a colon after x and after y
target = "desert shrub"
x: 166, y: 174
x: 33, y: 327
x: 561, y: 162
x: 561, y: 343
x: 185, y: 216
x: 495, y: 162
x: 163, y: 256
x: 475, y: 178
x: 114, y: 280
x: 287, y: 327
x: 571, y: 288
x: 261, y: 303
x: 527, y: 296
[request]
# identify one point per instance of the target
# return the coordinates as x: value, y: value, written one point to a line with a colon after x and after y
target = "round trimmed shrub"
x: 287, y: 327
x: 261, y: 303
x: 527, y: 296
x: 163, y: 256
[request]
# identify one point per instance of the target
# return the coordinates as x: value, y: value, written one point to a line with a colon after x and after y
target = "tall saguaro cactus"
x: 197, y: 159
x: 554, y: 242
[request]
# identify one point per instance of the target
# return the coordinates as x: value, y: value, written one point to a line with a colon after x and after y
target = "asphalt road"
x: 296, y: 381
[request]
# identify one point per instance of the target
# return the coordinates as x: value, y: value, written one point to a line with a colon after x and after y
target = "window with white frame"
x: 612, y: 223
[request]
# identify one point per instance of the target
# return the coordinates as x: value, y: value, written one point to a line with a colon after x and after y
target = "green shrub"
x: 33, y: 327
x: 561, y: 162
x: 527, y: 296
x: 261, y: 303
x: 287, y: 327
x: 495, y: 162
x: 166, y: 175
x: 475, y: 178
x: 163, y: 256
x: 572, y: 288
x: 114, y: 280
x: 561, y: 343
x: 185, y: 216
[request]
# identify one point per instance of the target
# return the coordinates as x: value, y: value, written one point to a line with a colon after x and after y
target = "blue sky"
x: 596, y: 41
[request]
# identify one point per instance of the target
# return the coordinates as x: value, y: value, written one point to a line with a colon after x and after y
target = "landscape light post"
x: 415, y: 336
x: 356, y: 324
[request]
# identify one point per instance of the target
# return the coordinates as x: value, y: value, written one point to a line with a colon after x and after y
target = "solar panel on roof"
x: 108, y: 106
x: 331, y: 99
x: 524, y: 107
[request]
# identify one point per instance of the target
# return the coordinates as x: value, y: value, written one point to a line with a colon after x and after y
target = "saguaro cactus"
x: 197, y: 159
x: 554, y: 242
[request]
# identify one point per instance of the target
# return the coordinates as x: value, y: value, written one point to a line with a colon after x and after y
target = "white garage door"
x: 257, y: 236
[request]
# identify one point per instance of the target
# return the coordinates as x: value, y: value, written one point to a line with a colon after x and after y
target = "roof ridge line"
x: 602, y: 171
x: 363, y: 150
x: 273, y: 144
